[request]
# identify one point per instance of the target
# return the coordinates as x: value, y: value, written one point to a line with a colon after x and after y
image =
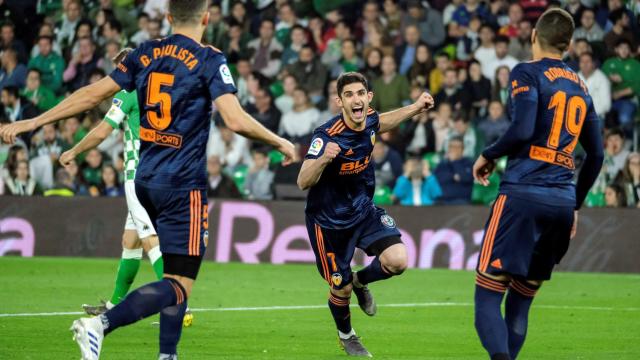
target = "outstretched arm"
x: 93, y: 139
x: 237, y: 120
x: 82, y: 100
x: 393, y: 118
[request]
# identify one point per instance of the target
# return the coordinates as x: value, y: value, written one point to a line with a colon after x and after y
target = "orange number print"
x: 156, y: 96
x: 571, y: 113
x: 332, y: 257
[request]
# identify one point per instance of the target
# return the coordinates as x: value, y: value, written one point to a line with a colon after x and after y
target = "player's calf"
x: 489, y: 323
x: 519, y: 298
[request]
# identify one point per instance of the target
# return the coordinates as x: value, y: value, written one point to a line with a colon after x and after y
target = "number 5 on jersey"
x: 155, y: 96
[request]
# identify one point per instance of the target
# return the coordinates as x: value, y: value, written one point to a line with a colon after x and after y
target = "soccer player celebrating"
x: 536, y: 212
x: 340, y: 214
x: 176, y: 79
x: 139, y: 232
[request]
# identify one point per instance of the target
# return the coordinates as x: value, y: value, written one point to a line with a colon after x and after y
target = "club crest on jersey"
x: 226, y: 74
x: 373, y: 137
x: 387, y: 221
x: 336, y: 279
x: 316, y: 146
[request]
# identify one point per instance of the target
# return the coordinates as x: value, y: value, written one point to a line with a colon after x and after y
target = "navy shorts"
x: 334, y: 248
x: 525, y: 238
x: 180, y: 218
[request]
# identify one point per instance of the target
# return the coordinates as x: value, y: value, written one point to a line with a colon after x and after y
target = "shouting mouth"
x: 358, y: 111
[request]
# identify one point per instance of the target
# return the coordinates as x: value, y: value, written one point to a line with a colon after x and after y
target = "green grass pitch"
x: 575, y: 316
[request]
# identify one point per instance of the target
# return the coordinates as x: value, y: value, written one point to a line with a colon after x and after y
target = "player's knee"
x: 150, y: 242
x: 344, y: 291
x: 394, y: 260
x: 524, y: 287
x: 130, y: 240
x: 186, y: 284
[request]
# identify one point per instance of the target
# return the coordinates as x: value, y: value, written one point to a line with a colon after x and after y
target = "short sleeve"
x: 125, y: 73
x: 218, y: 77
x: 373, y: 117
x: 116, y: 115
x: 319, y: 140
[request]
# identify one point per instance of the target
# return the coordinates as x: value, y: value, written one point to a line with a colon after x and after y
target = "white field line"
x: 314, y: 307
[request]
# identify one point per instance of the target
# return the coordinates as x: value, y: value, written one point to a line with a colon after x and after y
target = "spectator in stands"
x: 476, y: 91
x: 436, y: 76
x: 235, y: 43
x: 216, y: 30
x: 589, y: 28
x: 333, y: 50
x: 442, y: 122
x: 428, y: 21
x: 575, y: 9
x: 500, y: 89
x: 15, y: 154
x: 406, y: 53
x: 110, y: 187
x: 231, y: 148
x: 154, y: 29
x: 50, y: 144
x: 579, y: 47
x: 298, y: 40
x: 369, y: 21
x: 350, y: 61
x: 219, y: 184
x: 92, y: 171
x: 19, y: 183
x: 75, y: 182
x: 615, y: 153
x: 16, y: 107
x: 310, y: 73
x: 393, y: 17
x: 287, y: 19
x: 66, y: 28
x: 142, y: 33
x: 391, y: 89
x: 46, y: 29
x: 451, y: 91
x: 615, y: 197
x: 332, y: 108
x: 298, y: 124
x: 624, y: 73
x: 520, y: 46
x: 454, y: 175
x: 629, y: 179
x: 417, y: 186
x: 111, y: 31
x: 388, y: 164
x: 418, y: 134
x: 120, y: 12
x: 259, y: 181
x: 266, y: 51
x: 486, y: 52
x: 502, y: 58
x: 9, y: 41
x: 533, y: 8
x: 422, y: 66
x: 515, y: 15
x: 243, y: 68
x: 49, y: 63
x: 82, y: 64
x: 378, y: 38
x: 494, y: 124
x: 619, y: 31
x: 372, y: 65
x: 264, y: 110
x: 111, y: 50
x: 284, y: 102
x: 469, y: 41
x: 13, y: 73
x: 40, y: 96
x: 462, y: 129
x: 63, y: 186
x: 72, y: 131
x: 597, y: 83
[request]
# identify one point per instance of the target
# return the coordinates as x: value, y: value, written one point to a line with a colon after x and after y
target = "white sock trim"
x: 109, y: 305
x: 132, y: 253
x: 346, y: 336
x: 154, y: 254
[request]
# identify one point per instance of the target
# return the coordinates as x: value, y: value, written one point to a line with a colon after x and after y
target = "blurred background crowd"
x: 285, y: 57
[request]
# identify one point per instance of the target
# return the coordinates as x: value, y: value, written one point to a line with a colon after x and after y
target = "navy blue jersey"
x: 176, y: 78
x: 344, y: 194
x: 550, y: 111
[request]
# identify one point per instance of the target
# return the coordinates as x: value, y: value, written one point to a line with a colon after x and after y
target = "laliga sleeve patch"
x: 316, y: 146
x: 225, y: 74
x: 117, y: 102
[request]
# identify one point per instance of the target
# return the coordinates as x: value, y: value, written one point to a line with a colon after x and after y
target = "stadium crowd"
x: 285, y: 57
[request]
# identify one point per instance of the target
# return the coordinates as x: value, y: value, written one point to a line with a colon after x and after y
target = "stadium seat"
x: 383, y: 196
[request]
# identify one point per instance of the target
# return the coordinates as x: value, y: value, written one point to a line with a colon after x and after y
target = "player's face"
x: 354, y: 102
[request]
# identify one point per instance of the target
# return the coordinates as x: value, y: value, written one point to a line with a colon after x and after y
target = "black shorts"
x: 182, y: 265
x: 525, y: 238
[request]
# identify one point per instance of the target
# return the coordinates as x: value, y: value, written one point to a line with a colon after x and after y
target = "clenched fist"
x: 424, y: 102
x: 331, y: 151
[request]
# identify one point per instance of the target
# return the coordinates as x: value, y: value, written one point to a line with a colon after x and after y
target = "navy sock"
x: 339, y: 307
x: 489, y: 323
x: 373, y: 272
x: 171, y: 327
x: 517, y: 307
x: 143, y: 302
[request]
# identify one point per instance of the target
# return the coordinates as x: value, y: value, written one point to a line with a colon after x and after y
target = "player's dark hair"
x: 555, y: 30
x: 351, y: 78
x: 185, y: 11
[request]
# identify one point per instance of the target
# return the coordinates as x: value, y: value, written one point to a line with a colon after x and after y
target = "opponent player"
x: 536, y: 212
x: 139, y: 232
x: 176, y: 78
x: 340, y: 214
